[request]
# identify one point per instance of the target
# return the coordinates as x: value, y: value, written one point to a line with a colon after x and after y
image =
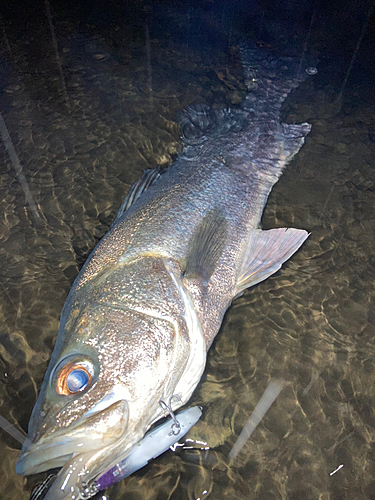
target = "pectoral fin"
x: 266, y: 252
x: 206, y: 246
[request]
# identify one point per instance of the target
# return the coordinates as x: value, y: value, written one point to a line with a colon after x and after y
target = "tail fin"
x: 270, y: 79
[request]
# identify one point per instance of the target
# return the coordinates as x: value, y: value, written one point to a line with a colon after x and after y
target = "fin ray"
x: 206, y: 246
x: 149, y: 177
x: 266, y: 252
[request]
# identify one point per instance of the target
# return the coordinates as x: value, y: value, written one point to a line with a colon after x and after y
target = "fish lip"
x: 42, y: 456
x: 55, y: 449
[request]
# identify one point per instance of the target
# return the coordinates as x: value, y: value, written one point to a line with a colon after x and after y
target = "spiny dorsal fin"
x: 149, y: 177
x: 206, y: 246
x: 266, y: 252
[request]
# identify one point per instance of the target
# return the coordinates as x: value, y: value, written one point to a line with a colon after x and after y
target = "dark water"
x: 312, y: 324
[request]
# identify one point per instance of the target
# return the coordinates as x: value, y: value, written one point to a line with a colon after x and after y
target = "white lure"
x: 151, y: 446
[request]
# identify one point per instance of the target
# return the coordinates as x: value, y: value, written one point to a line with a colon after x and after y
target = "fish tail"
x: 270, y: 79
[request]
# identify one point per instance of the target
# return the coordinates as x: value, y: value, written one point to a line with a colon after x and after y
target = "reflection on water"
x: 312, y: 325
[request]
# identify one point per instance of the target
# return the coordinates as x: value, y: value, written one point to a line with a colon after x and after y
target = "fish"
x: 154, y: 443
x: 151, y: 446
x: 150, y: 299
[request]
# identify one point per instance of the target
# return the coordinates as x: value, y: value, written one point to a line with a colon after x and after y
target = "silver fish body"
x: 150, y: 299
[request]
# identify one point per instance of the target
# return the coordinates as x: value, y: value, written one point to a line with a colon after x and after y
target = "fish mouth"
x: 95, y: 432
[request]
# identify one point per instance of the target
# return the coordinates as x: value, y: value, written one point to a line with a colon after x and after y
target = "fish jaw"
x: 71, y: 480
x: 98, y: 431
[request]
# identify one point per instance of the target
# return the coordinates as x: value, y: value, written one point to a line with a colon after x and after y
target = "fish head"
x: 110, y: 369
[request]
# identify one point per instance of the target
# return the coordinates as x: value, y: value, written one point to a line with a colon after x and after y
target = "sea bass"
x: 150, y: 299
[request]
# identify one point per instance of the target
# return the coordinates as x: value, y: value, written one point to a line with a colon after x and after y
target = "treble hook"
x: 175, y: 427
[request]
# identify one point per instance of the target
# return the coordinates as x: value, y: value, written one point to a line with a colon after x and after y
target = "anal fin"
x: 266, y: 252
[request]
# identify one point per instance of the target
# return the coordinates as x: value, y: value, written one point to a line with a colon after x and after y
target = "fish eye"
x: 73, y: 375
x: 77, y: 380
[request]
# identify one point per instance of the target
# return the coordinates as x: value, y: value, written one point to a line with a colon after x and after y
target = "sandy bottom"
x: 312, y: 325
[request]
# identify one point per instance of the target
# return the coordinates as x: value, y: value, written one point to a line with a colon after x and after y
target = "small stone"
x: 234, y: 97
x: 340, y: 148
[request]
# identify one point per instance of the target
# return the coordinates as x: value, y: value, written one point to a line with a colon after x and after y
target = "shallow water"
x: 311, y: 325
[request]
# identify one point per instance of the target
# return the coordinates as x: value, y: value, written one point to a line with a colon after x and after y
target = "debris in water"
x: 57, y: 55
x: 10, y: 429
x: 314, y: 378
x: 338, y: 468
x: 269, y: 396
x: 338, y: 101
x: 17, y: 167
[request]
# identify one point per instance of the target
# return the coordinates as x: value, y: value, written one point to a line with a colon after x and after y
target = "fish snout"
x: 95, y: 432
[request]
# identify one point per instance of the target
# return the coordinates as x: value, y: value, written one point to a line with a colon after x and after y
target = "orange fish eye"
x: 73, y: 377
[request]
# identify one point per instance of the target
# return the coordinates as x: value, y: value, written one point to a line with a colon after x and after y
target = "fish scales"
x: 151, y: 297
x: 172, y: 207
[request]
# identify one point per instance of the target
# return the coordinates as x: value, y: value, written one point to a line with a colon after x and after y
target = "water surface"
x: 311, y: 325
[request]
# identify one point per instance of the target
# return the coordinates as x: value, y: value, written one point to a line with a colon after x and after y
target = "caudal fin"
x: 269, y: 79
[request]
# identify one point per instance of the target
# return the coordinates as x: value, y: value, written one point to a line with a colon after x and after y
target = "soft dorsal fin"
x: 149, y: 177
x: 266, y: 252
x: 206, y: 246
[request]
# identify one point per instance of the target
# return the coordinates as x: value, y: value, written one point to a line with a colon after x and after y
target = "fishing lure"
x: 151, y: 446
